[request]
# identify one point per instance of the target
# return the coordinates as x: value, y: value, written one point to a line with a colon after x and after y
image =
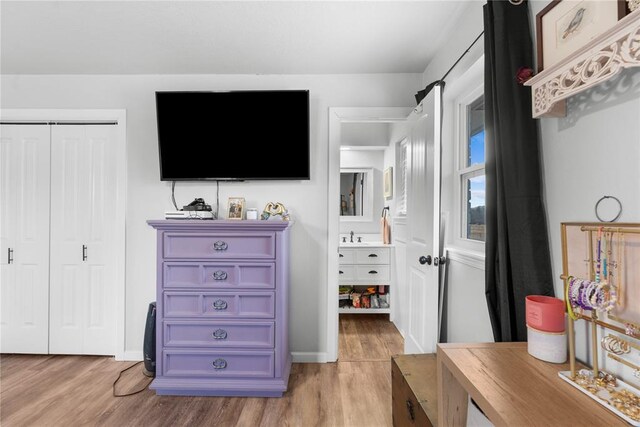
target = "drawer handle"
x: 220, y: 246
x: 219, y: 364
x: 341, y: 256
x: 373, y: 256
x: 220, y: 334
x: 412, y: 416
x: 341, y: 272
x: 373, y: 272
x: 220, y: 304
x: 219, y: 275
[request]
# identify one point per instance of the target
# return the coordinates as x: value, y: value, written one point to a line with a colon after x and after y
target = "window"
x: 471, y: 170
x: 401, y: 167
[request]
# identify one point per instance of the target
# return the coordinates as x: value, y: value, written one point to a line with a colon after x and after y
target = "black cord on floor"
x: 118, y: 379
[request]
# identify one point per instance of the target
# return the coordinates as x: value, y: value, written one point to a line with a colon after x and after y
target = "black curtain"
x: 517, y: 248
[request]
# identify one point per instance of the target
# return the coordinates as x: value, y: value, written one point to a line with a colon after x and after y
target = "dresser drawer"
x: 219, y: 245
x: 372, y: 256
x: 374, y: 273
x: 220, y: 363
x: 219, y: 275
x: 218, y: 334
x: 219, y: 304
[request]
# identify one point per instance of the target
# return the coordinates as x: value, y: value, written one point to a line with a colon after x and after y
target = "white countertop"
x: 365, y: 245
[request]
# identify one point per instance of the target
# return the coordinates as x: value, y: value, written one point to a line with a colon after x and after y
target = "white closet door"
x: 83, y: 250
x: 24, y: 230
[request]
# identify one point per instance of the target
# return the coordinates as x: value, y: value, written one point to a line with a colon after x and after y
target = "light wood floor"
x: 76, y: 390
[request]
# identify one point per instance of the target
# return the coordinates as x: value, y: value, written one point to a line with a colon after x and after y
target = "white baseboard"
x: 132, y: 356
x: 308, y: 357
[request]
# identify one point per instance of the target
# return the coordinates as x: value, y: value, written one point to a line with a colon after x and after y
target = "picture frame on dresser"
x: 236, y: 208
x: 565, y: 26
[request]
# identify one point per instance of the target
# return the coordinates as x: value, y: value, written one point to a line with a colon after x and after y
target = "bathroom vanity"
x: 365, y: 265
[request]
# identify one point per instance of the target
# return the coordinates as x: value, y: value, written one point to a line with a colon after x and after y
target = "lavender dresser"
x: 222, y: 308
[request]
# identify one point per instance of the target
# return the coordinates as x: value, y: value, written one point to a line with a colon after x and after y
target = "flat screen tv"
x: 237, y: 135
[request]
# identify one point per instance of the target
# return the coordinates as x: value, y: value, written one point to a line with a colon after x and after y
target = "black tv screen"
x: 238, y: 135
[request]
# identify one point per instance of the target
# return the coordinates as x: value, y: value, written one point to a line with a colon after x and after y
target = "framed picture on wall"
x: 388, y: 183
x: 564, y: 26
x: 236, y: 208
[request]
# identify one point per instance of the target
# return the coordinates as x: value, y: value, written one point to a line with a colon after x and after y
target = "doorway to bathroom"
x: 362, y: 290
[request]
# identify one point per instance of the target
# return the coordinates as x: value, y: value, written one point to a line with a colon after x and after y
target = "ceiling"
x: 218, y: 37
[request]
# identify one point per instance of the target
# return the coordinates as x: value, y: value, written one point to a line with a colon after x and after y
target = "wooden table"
x: 512, y: 388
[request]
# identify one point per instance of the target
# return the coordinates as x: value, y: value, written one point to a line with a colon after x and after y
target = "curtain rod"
x: 462, y: 56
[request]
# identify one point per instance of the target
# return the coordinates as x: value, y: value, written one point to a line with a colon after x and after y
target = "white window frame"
x: 462, y: 171
x: 402, y: 177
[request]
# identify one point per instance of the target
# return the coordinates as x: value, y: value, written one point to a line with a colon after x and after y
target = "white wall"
x: 148, y: 197
x: 468, y: 27
x: 365, y: 134
x: 592, y: 152
x: 366, y: 159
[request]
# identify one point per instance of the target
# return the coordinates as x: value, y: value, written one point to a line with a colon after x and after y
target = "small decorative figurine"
x: 272, y: 210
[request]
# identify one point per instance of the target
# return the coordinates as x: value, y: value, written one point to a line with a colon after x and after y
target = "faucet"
x: 351, y: 234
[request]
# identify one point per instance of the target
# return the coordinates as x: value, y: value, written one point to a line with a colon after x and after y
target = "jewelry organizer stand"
x: 582, y: 258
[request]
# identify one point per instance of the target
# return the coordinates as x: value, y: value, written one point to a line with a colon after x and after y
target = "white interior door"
x: 83, y: 247
x: 423, y: 221
x: 24, y: 238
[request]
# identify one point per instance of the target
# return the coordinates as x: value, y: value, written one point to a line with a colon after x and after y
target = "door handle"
x: 10, y: 256
x: 439, y: 261
x: 84, y: 252
x: 425, y: 260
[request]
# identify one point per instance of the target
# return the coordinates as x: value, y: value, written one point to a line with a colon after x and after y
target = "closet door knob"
x: 439, y: 261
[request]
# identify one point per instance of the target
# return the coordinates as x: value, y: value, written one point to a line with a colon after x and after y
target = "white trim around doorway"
x: 338, y: 116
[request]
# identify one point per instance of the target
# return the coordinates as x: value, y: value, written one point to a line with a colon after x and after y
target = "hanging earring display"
x: 595, y: 287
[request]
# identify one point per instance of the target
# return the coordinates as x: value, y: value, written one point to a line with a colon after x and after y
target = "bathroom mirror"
x: 356, y: 194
